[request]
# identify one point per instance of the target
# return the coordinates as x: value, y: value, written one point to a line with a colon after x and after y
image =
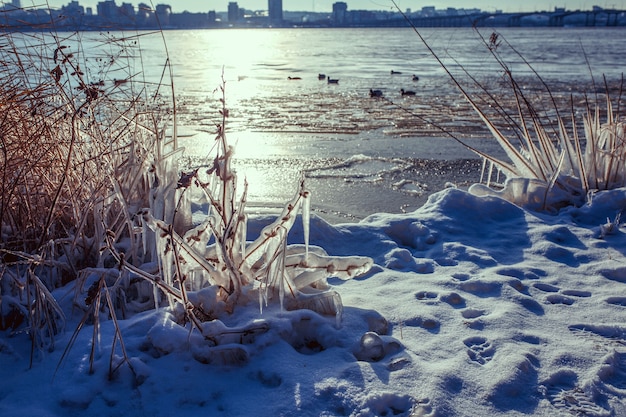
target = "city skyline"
x: 326, y: 5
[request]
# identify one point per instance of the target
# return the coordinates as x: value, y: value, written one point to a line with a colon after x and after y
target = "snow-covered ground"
x: 474, y: 307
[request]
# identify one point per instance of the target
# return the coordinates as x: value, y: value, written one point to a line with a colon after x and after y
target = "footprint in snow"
x: 608, y: 337
x: 617, y: 301
x: 482, y: 288
x: 615, y: 274
x: 545, y: 287
x: 576, y: 293
x: 558, y: 296
x: 530, y: 274
x: 613, y: 373
x: 472, y: 313
x: 430, y: 324
x: 472, y: 318
x: 559, y: 299
x: 454, y: 299
x: 388, y: 404
x: 427, y: 296
x: 575, y: 401
x: 461, y: 276
x: 480, y: 350
x: 565, y: 395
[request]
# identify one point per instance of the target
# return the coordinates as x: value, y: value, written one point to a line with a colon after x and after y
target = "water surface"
x: 363, y: 155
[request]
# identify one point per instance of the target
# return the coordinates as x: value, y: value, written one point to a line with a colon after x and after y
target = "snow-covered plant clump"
x: 211, y: 267
x: 553, y: 161
x: 558, y: 161
x: 552, y: 172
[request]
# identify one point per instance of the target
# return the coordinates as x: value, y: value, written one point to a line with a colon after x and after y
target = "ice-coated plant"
x: 76, y: 150
x: 211, y: 267
x: 204, y: 271
x: 555, y: 167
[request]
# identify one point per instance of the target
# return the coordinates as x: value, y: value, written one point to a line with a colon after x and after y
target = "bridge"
x: 600, y: 17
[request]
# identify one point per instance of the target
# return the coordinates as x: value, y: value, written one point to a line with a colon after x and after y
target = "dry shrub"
x: 76, y: 151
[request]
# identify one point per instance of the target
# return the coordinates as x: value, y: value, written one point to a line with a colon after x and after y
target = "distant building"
x: 360, y: 17
x: 126, y: 13
x: 107, y: 9
x: 73, y: 9
x: 340, y: 12
x: 163, y: 14
x: 428, y: 11
x: 275, y: 10
x: 233, y: 11
x: 144, y: 15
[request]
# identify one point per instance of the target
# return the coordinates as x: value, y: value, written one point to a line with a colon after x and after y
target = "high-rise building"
x: 233, y: 11
x: 73, y: 8
x: 163, y: 13
x: 145, y: 15
x: 275, y: 10
x: 127, y: 10
x: 107, y: 9
x: 340, y: 12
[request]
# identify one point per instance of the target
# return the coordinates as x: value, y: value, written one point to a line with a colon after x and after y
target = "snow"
x: 474, y: 307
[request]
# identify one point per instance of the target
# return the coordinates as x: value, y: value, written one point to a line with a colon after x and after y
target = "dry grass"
x: 76, y: 152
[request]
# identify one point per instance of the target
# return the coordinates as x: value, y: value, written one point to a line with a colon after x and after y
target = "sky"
x: 326, y: 5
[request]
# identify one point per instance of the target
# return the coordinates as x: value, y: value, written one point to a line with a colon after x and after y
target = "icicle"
x: 281, y: 272
x: 339, y: 308
x: 482, y: 171
x: 144, y: 237
x: 306, y: 221
x: 155, y: 294
x: 490, y: 173
x: 242, y: 235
